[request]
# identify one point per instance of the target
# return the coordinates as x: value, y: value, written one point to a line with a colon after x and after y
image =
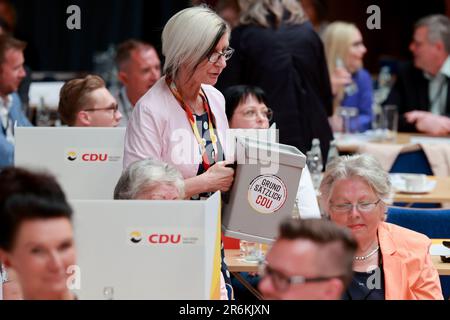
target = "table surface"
x: 441, y: 193
x: 402, y: 138
x: 235, y: 262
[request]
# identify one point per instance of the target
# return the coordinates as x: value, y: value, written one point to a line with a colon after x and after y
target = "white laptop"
x: 86, y: 161
x: 148, y: 249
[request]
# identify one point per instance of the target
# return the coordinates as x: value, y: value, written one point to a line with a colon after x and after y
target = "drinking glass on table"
x: 350, y: 119
x: 389, y: 122
x: 251, y: 251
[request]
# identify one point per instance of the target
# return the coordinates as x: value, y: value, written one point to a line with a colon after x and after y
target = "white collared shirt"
x: 5, y: 122
x: 438, y: 88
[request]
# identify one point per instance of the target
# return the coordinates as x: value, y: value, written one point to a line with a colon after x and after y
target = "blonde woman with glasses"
x: 391, y: 262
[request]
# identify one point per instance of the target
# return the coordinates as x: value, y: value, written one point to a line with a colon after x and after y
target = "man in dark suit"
x: 422, y: 90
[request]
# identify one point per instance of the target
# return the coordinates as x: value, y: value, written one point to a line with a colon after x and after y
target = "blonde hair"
x: 337, y: 39
x: 189, y: 37
x: 258, y: 11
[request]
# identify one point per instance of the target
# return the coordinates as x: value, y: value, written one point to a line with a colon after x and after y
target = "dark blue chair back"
x: 413, y: 162
x: 434, y: 223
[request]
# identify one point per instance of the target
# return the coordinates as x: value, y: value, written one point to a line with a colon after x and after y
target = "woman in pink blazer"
x: 181, y: 120
x: 391, y: 262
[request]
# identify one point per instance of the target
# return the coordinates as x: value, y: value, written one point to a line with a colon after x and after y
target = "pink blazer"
x: 159, y: 129
x: 408, y: 269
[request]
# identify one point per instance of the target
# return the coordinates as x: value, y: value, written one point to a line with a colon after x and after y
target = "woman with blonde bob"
x: 391, y: 262
x: 351, y: 83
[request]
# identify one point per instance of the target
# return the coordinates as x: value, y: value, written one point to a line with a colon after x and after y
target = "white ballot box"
x: 265, y: 186
x: 86, y: 161
x: 130, y: 249
x: 270, y: 135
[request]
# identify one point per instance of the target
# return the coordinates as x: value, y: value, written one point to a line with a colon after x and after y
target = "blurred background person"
x: 86, y: 102
x: 351, y: 83
x: 246, y: 108
x: 279, y: 51
x: 138, y: 70
x: 11, y: 111
x: 229, y: 11
x: 317, y: 11
x: 181, y: 120
x: 391, y: 262
x: 36, y: 235
x: 311, y: 260
x: 422, y: 89
x: 8, y: 23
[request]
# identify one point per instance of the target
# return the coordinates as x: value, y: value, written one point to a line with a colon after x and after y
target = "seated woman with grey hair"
x: 150, y: 180
x: 391, y: 262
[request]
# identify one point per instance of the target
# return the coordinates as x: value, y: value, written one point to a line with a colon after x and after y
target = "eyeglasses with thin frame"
x: 282, y: 282
x: 115, y: 108
x: 251, y: 114
x: 364, y: 207
x: 215, y: 56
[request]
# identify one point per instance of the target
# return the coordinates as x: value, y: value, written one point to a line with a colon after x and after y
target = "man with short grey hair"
x: 139, y: 68
x: 422, y: 89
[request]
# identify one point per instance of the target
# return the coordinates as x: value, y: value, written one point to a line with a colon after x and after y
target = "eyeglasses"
x: 115, y: 108
x: 282, y: 282
x: 252, y: 113
x: 364, y: 207
x: 215, y: 56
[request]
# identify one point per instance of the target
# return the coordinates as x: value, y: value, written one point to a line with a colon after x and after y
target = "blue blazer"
x: 17, y: 116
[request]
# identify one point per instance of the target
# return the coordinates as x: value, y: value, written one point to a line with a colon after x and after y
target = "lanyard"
x: 201, y: 142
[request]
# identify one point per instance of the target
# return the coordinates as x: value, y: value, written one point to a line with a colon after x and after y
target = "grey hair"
x: 144, y: 173
x: 259, y: 11
x: 438, y: 26
x: 189, y: 37
x: 361, y: 165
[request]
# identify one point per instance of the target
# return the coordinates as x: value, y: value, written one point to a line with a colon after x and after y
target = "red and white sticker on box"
x: 267, y: 193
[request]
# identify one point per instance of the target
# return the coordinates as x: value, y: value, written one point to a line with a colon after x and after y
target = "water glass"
x: 389, y: 121
x: 251, y: 251
x: 350, y: 119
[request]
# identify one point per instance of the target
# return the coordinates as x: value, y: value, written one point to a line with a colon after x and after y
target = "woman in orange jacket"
x: 391, y: 262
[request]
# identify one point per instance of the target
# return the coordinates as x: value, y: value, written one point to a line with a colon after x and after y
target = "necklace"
x: 359, y: 258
